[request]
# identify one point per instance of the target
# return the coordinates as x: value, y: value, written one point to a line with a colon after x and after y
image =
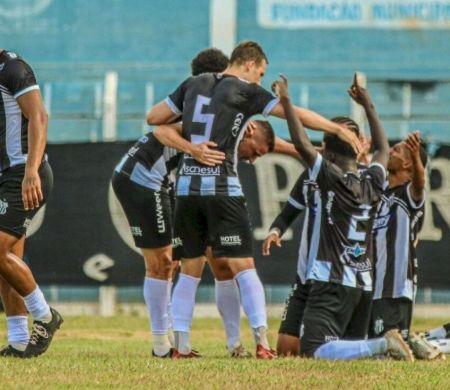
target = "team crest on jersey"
x: 3, y: 207
x: 351, y: 256
x: 378, y: 326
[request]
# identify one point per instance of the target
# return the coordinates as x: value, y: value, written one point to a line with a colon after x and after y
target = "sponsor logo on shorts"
x: 194, y: 170
x: 161, y: 224
x: 136, y: 231
x: 378, y: 326
x: 230, y: 240
x: 177, y: 242
x: 3, y: 207
x: 331, y: 338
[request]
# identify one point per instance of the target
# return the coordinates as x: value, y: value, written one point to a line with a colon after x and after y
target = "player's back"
x: 216, y: 108
x: 341, y: 242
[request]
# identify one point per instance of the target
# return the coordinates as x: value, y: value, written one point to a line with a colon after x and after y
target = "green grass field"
x: 93, y: 352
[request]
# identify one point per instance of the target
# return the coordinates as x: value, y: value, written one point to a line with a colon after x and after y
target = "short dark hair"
x: 248, y: 51
x: 334, y: 144
x: 210, y: 60
x: 268, y: 132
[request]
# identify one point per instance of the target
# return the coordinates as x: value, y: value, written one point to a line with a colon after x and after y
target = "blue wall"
x: 73, y: 43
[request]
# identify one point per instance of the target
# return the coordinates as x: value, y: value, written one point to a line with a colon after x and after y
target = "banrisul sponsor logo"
x: 196, y: 170
x: 159, y: 213
x: 230, y: 240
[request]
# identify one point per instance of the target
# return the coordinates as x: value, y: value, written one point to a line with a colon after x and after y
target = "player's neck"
x: 234, y: 70
x: 398, y: 178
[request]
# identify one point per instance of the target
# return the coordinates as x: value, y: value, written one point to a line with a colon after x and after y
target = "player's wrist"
x: 275, y: 231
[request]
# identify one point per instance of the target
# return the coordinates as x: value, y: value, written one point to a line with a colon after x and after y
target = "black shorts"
x: 391, y: 313
x: 219, y: 221
x: 294, y: 308
x: 14, y: 219
x: 148, y: 212
x: 333, y: 312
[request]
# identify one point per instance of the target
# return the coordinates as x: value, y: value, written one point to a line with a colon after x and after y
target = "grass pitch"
x: 106, y: 353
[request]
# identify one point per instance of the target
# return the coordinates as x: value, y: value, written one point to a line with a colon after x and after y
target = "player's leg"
x: 14, y: 271
x: 329, y: 310
x: 190, y: 237
x: 183, y: 302
x: 358, y: 326
x: 390, y: 313
x: 228, y: 303
x: 288, y: 341
x: 16, y: 312
x: 149, y: 215
x: 231, y: 238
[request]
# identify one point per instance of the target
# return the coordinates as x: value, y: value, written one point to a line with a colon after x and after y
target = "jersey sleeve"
x: 378, y: 176
x: 411, y: 202
x: 261, y: 101
x: 19, y: 78
x: 175, y: 99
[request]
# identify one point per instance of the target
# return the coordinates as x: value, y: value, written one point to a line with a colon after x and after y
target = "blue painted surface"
x: 71, y: 45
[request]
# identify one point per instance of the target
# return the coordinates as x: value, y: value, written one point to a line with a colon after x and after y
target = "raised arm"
x: 284, y: 147
x: 314, y: 121
x: 379, y: 141
x: 33, y: 108
x: 297, y: 132
x: 170, y: 135
x: 412, y: 142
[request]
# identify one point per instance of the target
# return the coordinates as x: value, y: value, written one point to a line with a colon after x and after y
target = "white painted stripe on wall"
x: 223, y: 24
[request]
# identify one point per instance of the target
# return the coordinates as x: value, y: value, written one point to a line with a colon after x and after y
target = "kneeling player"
x: 339, y: 269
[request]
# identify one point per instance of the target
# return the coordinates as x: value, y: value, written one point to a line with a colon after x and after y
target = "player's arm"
x: 161, y: 113
x: 284, y: 147
x: 314, y: 121
x: 281, y: 223
x: 170, y: 135
x: 297, y: 132
x: 417, y: 186
x: 379, y: 140
x: 33, y: 109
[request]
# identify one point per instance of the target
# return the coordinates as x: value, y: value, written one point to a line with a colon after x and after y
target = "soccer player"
x: 26, y: 181
x: 303, y: 198
x: 339, y: 269
x: 210, y: 201
x: 142, y: 183
x: 397, y: 224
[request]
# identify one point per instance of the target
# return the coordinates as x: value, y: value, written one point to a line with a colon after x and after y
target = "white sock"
x: 254, y: 303
x: 156, y: 296
x: 37, y: 306
x: 169, y: 313
x: 437, y: 333
x: 443, y: 344
x: 229, y: 306
x: 350, y: 350
x: 183, y: 301
x: 18, y: 335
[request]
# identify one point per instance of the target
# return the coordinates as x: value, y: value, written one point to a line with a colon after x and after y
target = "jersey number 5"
x: 353, y: 233
x: 199, y: 117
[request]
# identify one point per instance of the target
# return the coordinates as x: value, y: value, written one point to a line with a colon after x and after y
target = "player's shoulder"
x: 11, y: 64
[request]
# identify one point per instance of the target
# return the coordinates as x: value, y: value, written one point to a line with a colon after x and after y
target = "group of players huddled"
x: 356, y: 274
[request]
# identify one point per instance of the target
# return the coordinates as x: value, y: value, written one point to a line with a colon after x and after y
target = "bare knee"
x: 287, y: 345
x: 158, y: 263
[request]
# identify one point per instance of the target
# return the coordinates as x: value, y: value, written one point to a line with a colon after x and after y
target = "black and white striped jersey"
x: 150, y: 164
x: 397, y: 224
x: 16, y: 79
x: 339, y: 245
x: 216, y: 108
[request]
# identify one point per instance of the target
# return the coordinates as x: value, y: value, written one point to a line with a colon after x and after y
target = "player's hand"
x: 280, y: 87
x: 351, y: 138
x: 272, y: 238
x: 31, y: 190
x: 359, y: 94
x: 205, y: 154
x: 412, y: 143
